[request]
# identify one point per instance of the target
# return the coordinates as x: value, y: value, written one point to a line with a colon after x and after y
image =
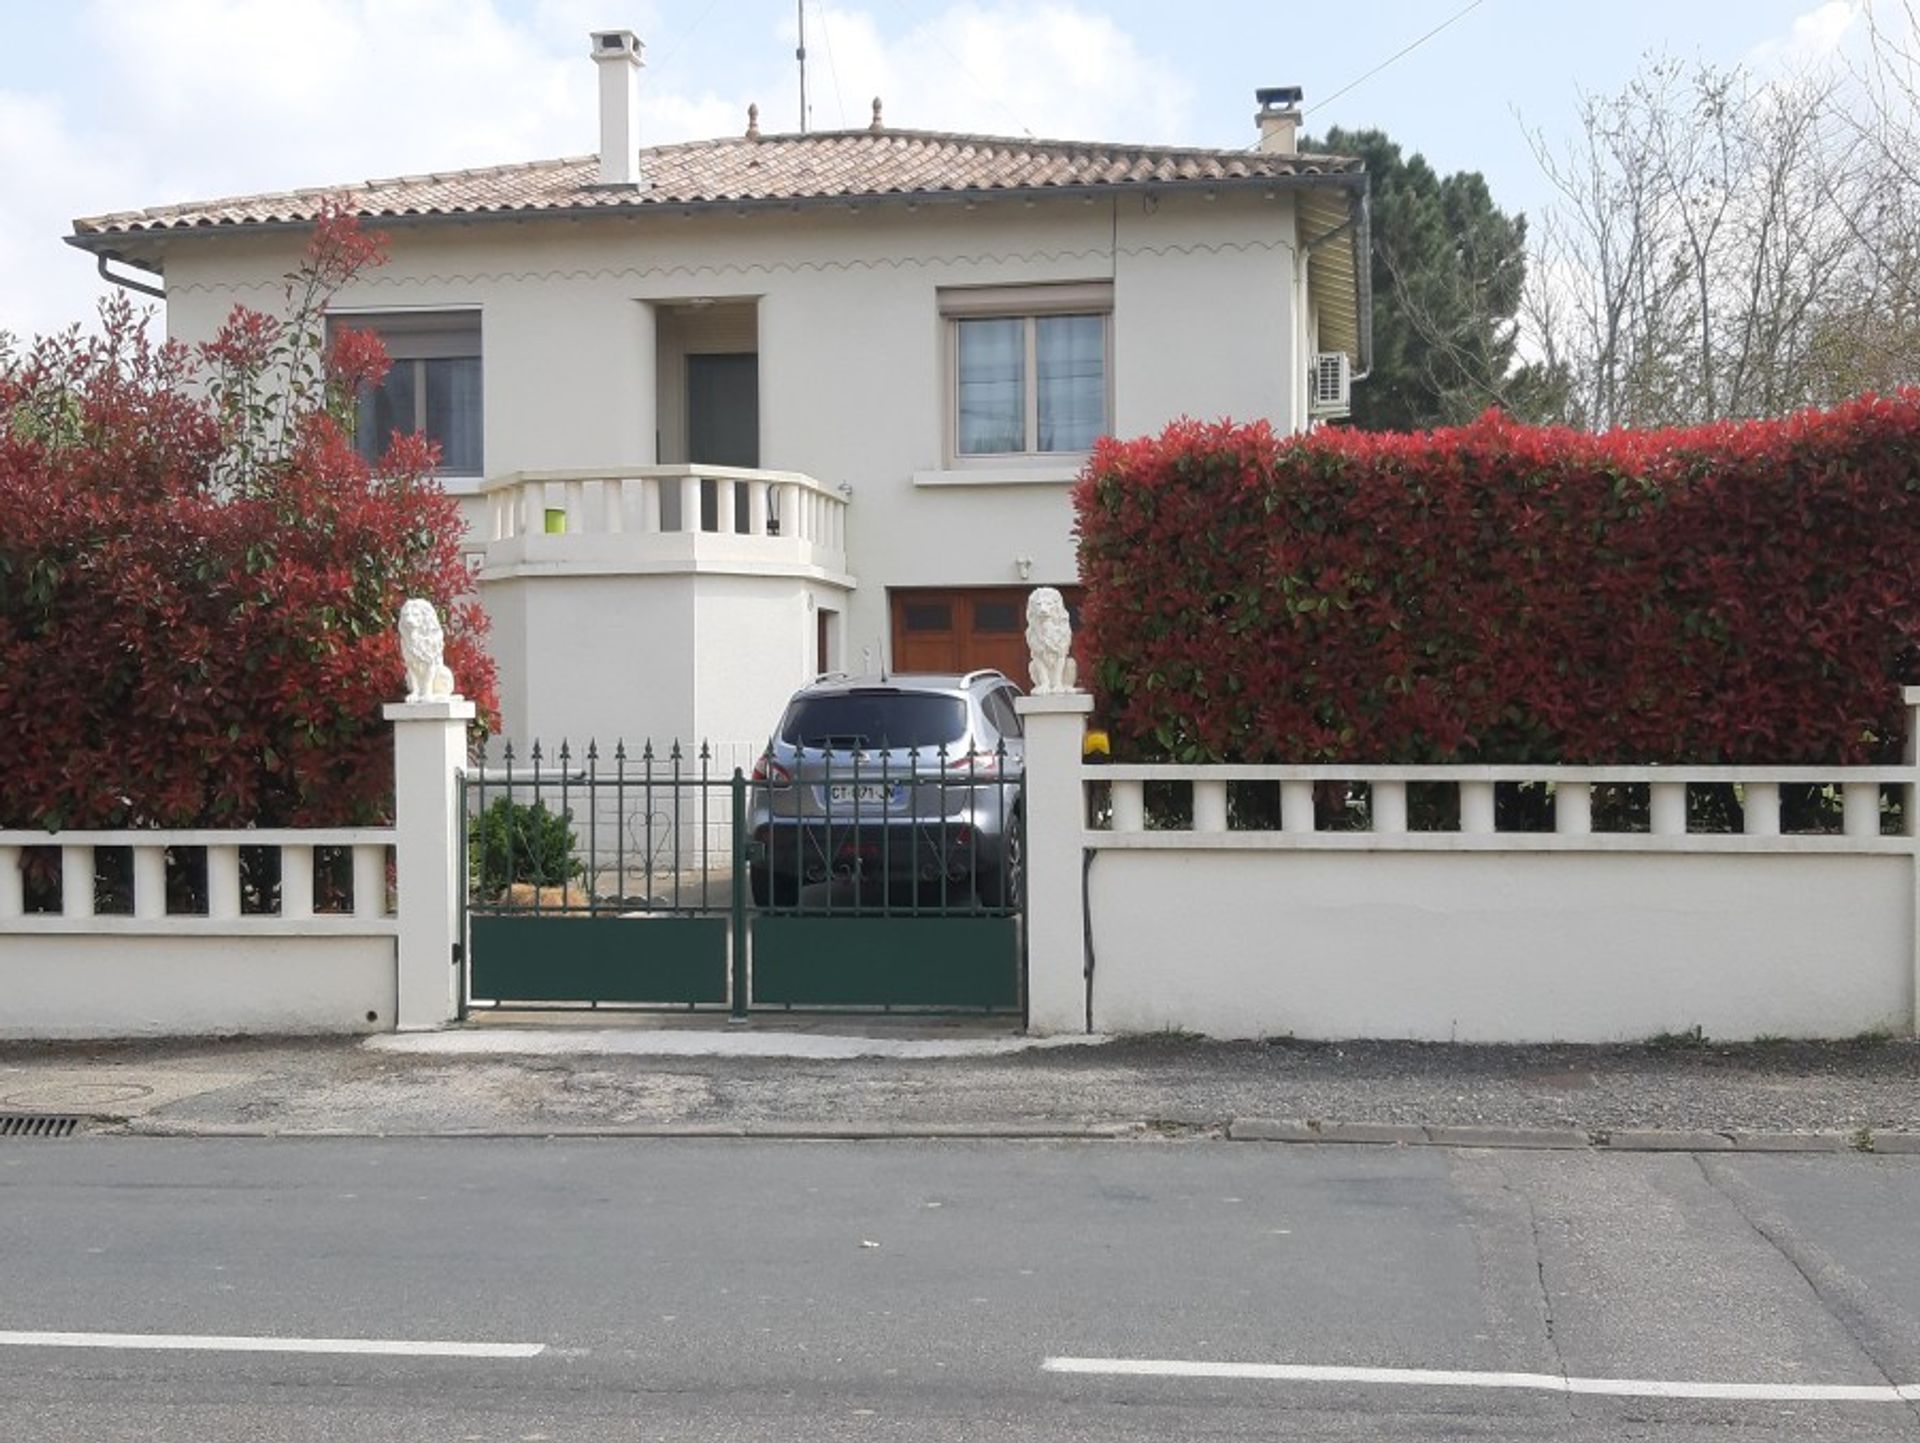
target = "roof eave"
x: 99, y: 241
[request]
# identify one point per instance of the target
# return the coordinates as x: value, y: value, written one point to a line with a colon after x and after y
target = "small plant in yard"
x: 522, y: 843
x: 1691, y: 1040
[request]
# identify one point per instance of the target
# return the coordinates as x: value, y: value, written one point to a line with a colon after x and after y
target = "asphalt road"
x: 707, y: 1290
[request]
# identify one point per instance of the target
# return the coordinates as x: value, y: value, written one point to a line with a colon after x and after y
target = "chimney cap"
x: 1278, y: 97
x: 614, y: 44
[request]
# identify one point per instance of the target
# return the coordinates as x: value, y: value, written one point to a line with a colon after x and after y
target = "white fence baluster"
x: 1129, y: 807
x: 690, y: 510
x: 223, y: 882
x: 1573, y: 808
x: 76, y: 881
x: 296, y: 882
x: 757, y: 508
x: 1476, y: 807
x: 1667, y: 808
x: 1296, y: 806
x: 370, y: 881
x: 1760, y: 810
x: 149, y: 882
x: 12, y: 889
x: 1209, y: 806
x: 1390, y: 807
x: 1860, y: 809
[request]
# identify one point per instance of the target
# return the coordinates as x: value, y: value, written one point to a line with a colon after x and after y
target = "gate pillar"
x: 429, y: 753
x: 1055, y: 725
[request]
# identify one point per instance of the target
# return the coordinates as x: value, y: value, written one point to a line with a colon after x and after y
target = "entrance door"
x: 964, y: 628
x: 723, y: 409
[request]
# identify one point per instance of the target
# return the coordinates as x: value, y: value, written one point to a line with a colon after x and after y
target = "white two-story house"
x: 727, y: 414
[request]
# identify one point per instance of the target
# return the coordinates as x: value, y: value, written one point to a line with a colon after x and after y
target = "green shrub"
x: 518, y: 842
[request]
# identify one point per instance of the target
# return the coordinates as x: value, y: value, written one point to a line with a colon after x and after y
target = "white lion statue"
x: 1049, y: 639
x: 422, y: 646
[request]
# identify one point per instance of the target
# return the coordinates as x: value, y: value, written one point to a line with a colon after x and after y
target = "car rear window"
x: 875, y: 720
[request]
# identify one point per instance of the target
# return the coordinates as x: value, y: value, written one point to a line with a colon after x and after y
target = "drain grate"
x: 36, y: 1124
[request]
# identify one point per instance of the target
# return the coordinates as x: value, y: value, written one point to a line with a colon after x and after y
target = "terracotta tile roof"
x: 772, y: 169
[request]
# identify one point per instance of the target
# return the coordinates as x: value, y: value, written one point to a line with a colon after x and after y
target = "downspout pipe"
x: 126, y: 283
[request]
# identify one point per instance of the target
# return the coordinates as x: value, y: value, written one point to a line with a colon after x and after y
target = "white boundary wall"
x: 74, y: 974
x: 1472, y: 935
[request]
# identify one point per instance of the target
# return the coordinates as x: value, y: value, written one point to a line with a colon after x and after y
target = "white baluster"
x: 757, y: 508
x: 76, y: 881
x: 1129, y: 807
x: 296, y: 882
x: 223, y: 882
x: 1573, y: 808
x: 150, y: 882
x: 12, y: 888
x: 1296, y: 806
x: 650, y: 504
x: 1476, y: 807
x: 1667, y: 808
x: 690, y: 503
x: 1761, y: 809
x: 1390, y: 807
x: 1860, y: 809
x: 724, y: 494
x: 1209, y: 806
x: 370, y: 881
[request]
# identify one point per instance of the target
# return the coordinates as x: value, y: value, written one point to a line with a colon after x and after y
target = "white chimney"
x: 1278, y: 118
x: 617, y: 53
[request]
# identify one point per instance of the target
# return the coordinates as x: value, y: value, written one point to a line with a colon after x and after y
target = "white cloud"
x: 1052, y: 71
x: 195, y: 99
x: 1817, y: 35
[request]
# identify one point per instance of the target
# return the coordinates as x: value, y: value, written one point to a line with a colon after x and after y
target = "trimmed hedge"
x: 1742, y: 592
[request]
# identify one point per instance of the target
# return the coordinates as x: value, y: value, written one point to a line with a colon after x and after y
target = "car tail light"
x: 976, y: 764
x: 770, y: 771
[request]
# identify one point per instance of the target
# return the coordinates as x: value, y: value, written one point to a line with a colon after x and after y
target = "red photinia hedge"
x: 1734, y: 593
x: 199, y: 577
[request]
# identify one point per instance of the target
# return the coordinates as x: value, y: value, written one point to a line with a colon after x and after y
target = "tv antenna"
x: 800, y: 54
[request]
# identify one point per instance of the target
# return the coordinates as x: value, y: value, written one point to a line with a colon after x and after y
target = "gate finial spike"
x: 534, y: 755
x: 593, y: 751
x: 646, y: 752
x: 565, y: 754
x: 620, y: 751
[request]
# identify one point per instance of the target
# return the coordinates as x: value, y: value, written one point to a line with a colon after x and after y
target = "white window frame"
x: 390, y: 323
x: 1020, y: 303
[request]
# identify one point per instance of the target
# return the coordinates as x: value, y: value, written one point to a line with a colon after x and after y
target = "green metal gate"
x: 622, y: 882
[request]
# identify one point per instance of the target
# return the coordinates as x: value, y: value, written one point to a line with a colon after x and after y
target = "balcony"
x: 663, y: 519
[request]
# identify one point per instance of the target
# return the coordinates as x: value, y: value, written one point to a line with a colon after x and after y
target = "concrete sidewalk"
x: 879, y: 1079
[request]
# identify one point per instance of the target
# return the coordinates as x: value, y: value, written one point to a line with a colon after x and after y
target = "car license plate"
x: 862, y: 794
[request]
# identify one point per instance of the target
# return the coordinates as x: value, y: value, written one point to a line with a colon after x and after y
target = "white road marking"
x: 1449, y: 1378
x: 204, y: 1343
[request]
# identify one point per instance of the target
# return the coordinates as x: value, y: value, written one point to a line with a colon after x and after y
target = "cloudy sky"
x: 116, y: 104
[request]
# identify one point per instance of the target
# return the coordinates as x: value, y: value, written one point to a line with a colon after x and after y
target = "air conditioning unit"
x: 1332, y: 384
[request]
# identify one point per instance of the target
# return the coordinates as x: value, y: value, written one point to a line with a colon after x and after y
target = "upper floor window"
x: 1029, y: 368
x: 434, y: 386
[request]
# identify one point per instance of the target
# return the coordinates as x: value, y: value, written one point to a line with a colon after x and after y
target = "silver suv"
x: 906, y: 781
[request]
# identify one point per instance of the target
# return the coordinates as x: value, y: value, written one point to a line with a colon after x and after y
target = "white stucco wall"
x: 852, y: 370
x: 1562, y: 946
x: 115, y: 981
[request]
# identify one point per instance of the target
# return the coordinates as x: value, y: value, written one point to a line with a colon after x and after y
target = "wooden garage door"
x: 964, y: 628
